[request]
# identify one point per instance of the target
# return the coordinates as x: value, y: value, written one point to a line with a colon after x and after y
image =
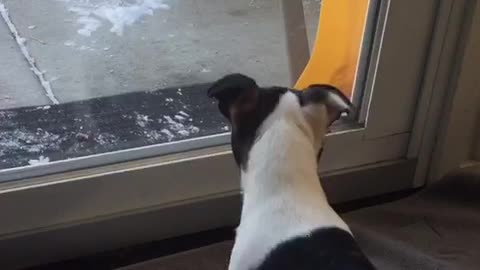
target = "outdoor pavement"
x: 94, y: 48
x: 18, y: 85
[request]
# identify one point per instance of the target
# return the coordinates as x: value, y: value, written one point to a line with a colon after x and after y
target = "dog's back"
x: 323, y: 249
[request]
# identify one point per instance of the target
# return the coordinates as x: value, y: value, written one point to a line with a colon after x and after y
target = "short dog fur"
x: 277, y: 137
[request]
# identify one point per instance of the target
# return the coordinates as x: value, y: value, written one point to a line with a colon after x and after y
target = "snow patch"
x: 142, y: 120
x: 169, y: 134
x: 183, y: 113
x: 69, y: 43
x: 183, y: 132
x: 154, y: 135
x: 6, y: 115
x: 106, y: 138
x: 179, y: 117
x: 179, y: 127
x: 41, y: 160
x: 174, y: 125
x: 89, y: 24
x: 32, y: 142
x: 194, y: 129
x: 117, y: 12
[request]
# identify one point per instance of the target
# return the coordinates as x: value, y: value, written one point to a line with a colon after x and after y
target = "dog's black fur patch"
x: 245, y: 132
x: 230, y: 91
x: 326, y: 249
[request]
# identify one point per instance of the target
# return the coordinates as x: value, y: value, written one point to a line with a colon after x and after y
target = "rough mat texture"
x: 437, y: 228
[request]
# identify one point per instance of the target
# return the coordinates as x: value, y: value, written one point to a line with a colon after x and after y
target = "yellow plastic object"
x: 336, y: 51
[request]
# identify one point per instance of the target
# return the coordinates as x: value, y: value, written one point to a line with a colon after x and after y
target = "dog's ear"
x: 237, y: 94
x: 333, y: 99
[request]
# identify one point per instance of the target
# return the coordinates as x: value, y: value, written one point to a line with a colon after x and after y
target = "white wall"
x: 458, y: 139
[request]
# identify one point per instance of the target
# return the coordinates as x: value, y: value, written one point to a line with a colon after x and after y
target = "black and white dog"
x: 277, y: 137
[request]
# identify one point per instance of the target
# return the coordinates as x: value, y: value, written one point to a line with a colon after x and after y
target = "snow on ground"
x: 118, y: 13
x: 177, y: 125
x: 21, y: 42
x: 182, y: 128
x: 183, y: 113
x: 41, y: 160
x: 168, y: 133
x: 32, y: 142
x: 106, y: 138
x: 142, y: 120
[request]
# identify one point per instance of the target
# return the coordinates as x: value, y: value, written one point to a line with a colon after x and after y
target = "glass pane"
x: 85, y: 77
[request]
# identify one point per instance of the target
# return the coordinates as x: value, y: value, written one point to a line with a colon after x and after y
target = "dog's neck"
x: 282, y: 163
x: 282, y: 194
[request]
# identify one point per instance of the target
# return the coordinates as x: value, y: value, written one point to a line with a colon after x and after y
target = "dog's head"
x: 252, y: 111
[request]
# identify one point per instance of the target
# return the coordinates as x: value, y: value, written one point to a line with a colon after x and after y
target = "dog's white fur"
x: 282, y: 195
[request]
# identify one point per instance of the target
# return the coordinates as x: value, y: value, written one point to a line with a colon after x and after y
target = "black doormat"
x: 33, y: 135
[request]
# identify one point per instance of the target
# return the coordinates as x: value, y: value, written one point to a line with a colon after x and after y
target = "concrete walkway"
x: 95, y: 48
x: 18, y: 85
